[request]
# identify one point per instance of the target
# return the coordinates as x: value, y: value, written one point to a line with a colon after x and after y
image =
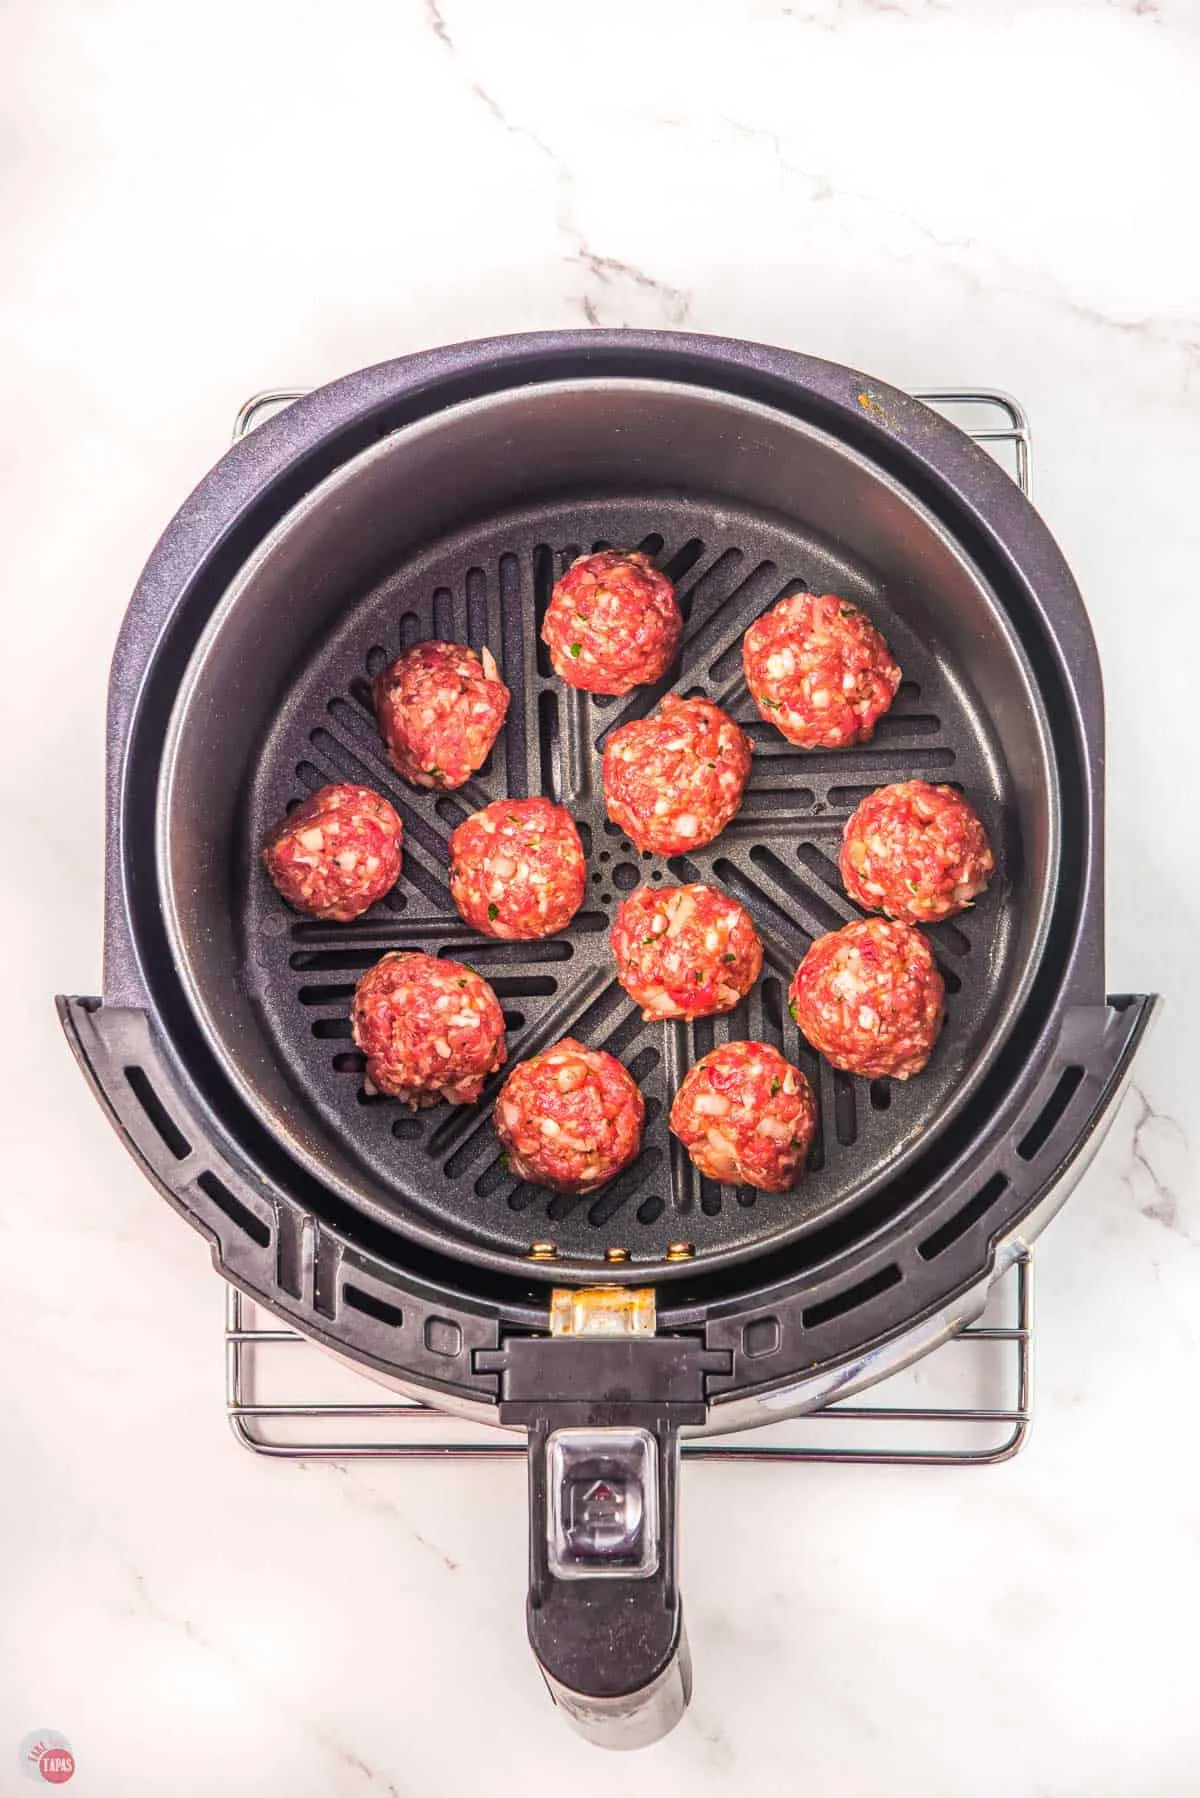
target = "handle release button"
x: 602, y: 1519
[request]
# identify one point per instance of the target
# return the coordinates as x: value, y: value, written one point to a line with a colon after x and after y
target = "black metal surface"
x: 491, y: 584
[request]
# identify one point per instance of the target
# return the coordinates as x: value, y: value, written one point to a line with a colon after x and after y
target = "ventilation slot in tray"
x: 964, y: 1220
x: 156, y: 1111
x: 1048, y: 1119
x: 851, y: 1298
x: 370, y: 1306
x: 234, y: 1210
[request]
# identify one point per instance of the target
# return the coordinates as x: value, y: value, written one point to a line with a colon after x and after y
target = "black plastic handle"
x: 604, y: 1614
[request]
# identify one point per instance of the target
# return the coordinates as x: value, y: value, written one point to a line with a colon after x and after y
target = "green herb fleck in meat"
x: 792, y: 1011
x: 729, y: 959
x: 576, y: 649
x: 776, y: 1084
x: 493, y: 911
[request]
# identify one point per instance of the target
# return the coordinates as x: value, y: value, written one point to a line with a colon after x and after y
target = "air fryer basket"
x: 275, y: 992
x: 440, y: 495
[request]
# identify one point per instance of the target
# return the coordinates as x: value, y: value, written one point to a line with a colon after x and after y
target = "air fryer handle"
x: 604, y: 1614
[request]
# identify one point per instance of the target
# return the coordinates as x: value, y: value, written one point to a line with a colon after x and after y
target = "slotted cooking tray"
x: 490, y: 585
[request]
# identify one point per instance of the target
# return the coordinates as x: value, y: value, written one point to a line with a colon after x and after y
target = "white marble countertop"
x: 205, y: 200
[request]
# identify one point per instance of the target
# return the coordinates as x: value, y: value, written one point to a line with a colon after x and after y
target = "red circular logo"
x: 45, y: 1756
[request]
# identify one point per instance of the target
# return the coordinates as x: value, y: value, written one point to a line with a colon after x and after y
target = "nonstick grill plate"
x: 491, y: 585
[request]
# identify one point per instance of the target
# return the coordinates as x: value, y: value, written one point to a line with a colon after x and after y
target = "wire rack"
x: 940, y: 1415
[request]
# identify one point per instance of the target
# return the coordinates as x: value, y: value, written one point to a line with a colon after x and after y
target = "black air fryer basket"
x: 440, y: 496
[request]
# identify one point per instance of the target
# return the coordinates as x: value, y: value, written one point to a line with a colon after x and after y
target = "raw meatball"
x: 336, y: 854
x: 439, y: 708
x: 684, y: 952
x: 569, y: 1118
x: 746, y: 1117
x: 429, y: 1029
x: 915, y: 851
x: 517, y: 868
x: 612, y: 622
x: 819, y: 671
x: 869, y: 998
x: 674, y: 780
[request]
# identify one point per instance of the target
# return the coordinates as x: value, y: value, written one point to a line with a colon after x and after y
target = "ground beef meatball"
x: 612, y: 622
x: 517, y: 868
x: 439, y: 708
x: 336, y: 854
x: 869, y: 998
x: 819, y: 671
x: 685, y: 952
x: 915, y: 851
x: 674, y: 780
x: 429, y: 1029
x: 569, y: 1118
x: 746, y: 1117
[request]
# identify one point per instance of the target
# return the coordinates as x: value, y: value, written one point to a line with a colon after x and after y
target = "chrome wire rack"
x: 949, y: 1430
x: 397, y: 1428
